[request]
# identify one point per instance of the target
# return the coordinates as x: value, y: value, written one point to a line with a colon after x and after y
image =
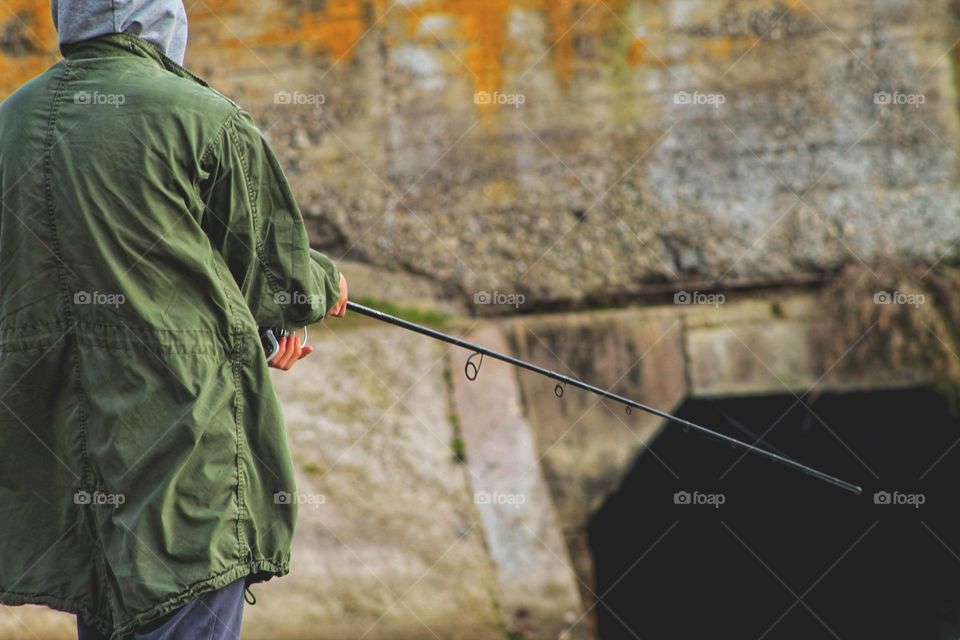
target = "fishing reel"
x: 270, y: 339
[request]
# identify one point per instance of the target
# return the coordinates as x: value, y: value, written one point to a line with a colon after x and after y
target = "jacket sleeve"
x: 254, y: 222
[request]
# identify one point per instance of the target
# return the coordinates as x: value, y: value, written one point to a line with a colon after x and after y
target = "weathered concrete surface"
x: 661, y: 356
x: 391, y: 542
x: 537, y: 587
x: 585, y: 442
x: 657, y: 139
x: 402, y: 289
x: 586, y: 445
x: 775, y: 345
x: 601, y: 179
x: 31, y: 622
x: 396, y: 550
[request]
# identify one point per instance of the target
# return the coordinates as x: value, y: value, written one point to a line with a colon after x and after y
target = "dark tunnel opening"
x: 754, y: 550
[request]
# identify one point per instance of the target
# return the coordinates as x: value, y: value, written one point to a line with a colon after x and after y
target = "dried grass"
x: 917, y: 329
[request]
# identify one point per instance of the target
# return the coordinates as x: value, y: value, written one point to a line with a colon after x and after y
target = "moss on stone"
x: 457, y: 443
x: 429, y: 317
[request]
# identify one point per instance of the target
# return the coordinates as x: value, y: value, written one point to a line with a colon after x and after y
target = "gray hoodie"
x: 162, y: 22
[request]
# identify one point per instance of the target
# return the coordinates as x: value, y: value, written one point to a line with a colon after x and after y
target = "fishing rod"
x: 472, y: 370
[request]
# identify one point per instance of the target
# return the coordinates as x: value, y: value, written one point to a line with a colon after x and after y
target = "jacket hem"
x: 257, y: 571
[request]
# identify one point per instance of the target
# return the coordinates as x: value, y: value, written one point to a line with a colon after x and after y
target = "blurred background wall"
x: 680, y: 200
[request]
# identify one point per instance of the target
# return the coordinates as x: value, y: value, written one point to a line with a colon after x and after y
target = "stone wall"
x: 623, y: 141
x: 657, y: 140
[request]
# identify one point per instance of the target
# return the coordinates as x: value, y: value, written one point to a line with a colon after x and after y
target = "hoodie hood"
x: 160, y: 22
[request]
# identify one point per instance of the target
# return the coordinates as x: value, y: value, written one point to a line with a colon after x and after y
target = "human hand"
x: 339, y: 310
x: 290, y: 351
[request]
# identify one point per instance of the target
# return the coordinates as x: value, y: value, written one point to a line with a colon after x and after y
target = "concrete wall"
x: 656, y: 139
x: 405, y: 539
x: 782, y: 161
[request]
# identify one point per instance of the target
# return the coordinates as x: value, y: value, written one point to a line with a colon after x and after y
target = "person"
x: 148, y: 236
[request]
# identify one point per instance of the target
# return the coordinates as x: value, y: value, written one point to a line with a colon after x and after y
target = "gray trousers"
x: 215, y: 615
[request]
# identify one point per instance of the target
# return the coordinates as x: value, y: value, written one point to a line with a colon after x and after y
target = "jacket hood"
x: 160, y: 22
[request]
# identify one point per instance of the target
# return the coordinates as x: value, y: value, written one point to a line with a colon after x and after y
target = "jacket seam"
x: 161, y: 58
x: 29, y: 336
x: 215, y: 581
x: 8, y: 328
x: 216, y: 138
x: 243, y: 548
x: 204, y: 159
x: 88, y: 478
x: 229, y: 129
x: 259, y: 252
x: 235, y: 336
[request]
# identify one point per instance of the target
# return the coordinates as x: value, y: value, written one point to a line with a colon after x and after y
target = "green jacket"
x: 146, y: 232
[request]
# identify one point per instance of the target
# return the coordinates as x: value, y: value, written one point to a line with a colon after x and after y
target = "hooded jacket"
x: 162, y: 23
x: 146, y: 232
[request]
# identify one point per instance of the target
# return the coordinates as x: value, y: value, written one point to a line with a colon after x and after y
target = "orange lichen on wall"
x: 560, y: 30
x: 798, y: 6
x: 31, y: 41
x: 212, y: 8
x: 723, y: 46
x: 570, y: 21
x: 32, y: 15
x: 480, y: 52
x: 484, y: 30
x: 639, y: 52
x: 335, y: 30
x: 484, y: 27
x: 481, y: 44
